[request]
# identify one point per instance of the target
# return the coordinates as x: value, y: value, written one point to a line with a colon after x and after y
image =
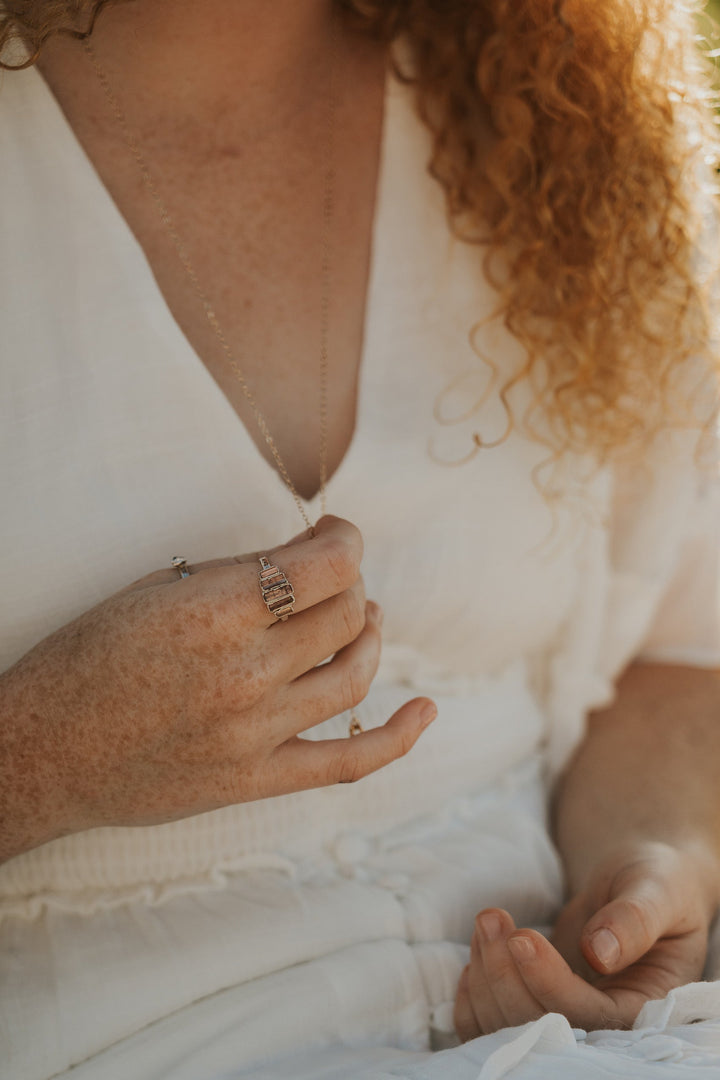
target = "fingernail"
x: 522, y: 949
x: 427, y: 714
x: 605, y: 946
x: 490, y: 927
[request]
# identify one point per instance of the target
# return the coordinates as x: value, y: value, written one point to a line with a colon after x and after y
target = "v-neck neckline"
x: 179, y: 343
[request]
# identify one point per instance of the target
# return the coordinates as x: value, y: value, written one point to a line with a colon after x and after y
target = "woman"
x: 206, y: 206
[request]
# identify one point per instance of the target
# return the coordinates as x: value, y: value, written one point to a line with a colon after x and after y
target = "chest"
x: 264, y: 237
x: 121, y: 449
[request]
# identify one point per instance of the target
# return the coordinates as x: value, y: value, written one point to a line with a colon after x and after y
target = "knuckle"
x: 340, y: 563
x: 545, y: 987
x: 356, y: 684
x: 643, y: 913
x: 405, y: 743
x: 374, y: 636
x: 359, y: 590
x: 236, y: 689
x: 237, y: 787
x: 352, y: 615
x: 349, y: 770
x: 254, y: 687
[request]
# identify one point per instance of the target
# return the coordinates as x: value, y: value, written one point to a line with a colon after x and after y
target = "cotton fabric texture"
x: 318, y: 934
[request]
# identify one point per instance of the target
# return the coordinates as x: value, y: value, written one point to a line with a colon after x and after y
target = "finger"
x: 512, y: 999
x: 320, y: 632
x: 557, y: 988
x: 566, y: 934
x: 626, y: 928
x: 250, y: 556
x: 254, y: 556
x: 338, y: 685
x: 317, y: 568
x: 167, y: 576
x: 343, y: 761
x: 171, y: 574
x: 464, y: 1018
x: 485, y: 1008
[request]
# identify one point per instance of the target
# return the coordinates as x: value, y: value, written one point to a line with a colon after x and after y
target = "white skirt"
x: 326, y: 942
x: 357, y: 947
x: 342, y: 967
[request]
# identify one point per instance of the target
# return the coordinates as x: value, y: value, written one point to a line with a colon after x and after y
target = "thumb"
x: 621, y: 932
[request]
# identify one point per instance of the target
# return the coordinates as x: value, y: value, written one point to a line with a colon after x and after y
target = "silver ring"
x: 179, y: 563
x: 277, y: 592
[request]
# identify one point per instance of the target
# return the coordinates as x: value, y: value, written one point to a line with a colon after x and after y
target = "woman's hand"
x: 177, y: 696
x: 636, y: 930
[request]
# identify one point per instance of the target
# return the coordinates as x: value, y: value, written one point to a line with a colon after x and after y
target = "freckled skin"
x: 175, y: 697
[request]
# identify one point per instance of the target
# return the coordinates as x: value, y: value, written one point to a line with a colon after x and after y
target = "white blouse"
x: 118, y: 450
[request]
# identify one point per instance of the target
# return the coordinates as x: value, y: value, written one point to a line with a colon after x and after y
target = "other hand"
x: 177, y: 696
x: 636, y: 930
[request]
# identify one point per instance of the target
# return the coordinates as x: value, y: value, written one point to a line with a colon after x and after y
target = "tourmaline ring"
x: 277, y: 592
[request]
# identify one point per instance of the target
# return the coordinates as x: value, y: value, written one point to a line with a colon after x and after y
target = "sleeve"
x: 650, y: 587
x: 685, y: 627
x: 665, y: 519
x: 650, y: 572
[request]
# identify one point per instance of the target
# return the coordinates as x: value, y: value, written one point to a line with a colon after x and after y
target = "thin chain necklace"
x: 328, y: 211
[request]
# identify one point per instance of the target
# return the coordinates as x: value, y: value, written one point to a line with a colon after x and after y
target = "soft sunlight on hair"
x: 573, y: 140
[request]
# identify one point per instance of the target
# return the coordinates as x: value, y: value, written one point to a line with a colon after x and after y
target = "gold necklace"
x: 328, y: 210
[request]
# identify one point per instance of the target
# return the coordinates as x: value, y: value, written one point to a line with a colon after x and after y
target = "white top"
x: 118, y: 450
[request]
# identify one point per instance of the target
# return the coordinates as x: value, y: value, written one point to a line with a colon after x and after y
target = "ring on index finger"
x: 277, y: 592
x: 179, y: 563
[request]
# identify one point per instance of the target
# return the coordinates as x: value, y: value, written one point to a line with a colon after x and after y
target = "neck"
x: 190, y: 55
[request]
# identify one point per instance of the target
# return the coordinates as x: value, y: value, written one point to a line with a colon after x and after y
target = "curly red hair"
x: 570, y: 138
